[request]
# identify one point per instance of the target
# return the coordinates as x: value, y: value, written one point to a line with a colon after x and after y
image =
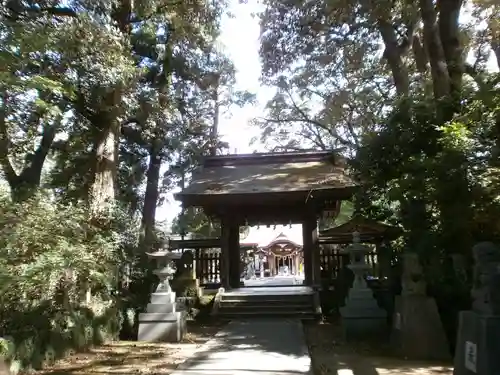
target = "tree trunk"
x: 495, y: 46
x: 394, y: 58
x: 25, y: 184
x: 453, y: 197
x: 432, y: 42
x: 449, y: 12
x: 151, y: 195
x: 104, y: 187
x: 215, y: 126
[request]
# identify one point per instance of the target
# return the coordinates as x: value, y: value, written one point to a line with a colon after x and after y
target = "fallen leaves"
x: 331, y: 354
x: 133, y: 358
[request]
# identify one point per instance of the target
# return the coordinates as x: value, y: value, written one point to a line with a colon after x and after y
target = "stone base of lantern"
x: 362, y: 316
x: 162, y: 322
x: 417, y: 331
x: 478, y: 344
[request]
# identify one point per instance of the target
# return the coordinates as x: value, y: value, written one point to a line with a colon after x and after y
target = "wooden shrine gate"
x: 247, y: 190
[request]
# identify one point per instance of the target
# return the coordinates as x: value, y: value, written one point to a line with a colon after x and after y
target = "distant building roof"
x: 368, y: 228
x: 268, y: 173
x: 264, y: 235
x: 280, y: 239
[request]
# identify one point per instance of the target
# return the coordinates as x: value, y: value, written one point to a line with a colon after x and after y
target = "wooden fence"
x: 207, y: 265
x: 332, y: 261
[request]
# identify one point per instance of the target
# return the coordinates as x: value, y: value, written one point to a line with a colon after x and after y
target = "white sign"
x: 397, y: 321
x: 470, y: 356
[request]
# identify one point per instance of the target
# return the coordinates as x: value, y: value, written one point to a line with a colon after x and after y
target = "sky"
x: 240, y: 38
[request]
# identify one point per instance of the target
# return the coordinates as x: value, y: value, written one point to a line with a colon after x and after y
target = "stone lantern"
x: 162, y: 322
x: 361, y: 315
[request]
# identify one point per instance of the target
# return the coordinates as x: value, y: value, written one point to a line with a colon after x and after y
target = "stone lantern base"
x: 162, y: 322
x: 478, y: 344
x: 361, y: 315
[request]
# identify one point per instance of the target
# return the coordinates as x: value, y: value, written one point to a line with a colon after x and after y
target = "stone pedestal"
x: 162, y: 321
x: 478, y: 337
x: 361, y: 315
x: 478, y: 344
x: 417, y: 331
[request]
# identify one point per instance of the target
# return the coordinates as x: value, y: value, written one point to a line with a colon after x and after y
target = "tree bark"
x: 449, y: 12
x: 151, y: 195
x: 495, y: 46
x: 432, y: 42
x: 104, y: 187
x: 394, y: 58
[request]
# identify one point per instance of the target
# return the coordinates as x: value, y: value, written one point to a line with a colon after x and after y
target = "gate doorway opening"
x: 278, y: 262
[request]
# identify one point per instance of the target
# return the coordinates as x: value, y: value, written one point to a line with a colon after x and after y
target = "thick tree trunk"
x: 394, y: 58
x: 449, y: 32
x: 454, y: 203
x: 104, y: 187
x: 441, y: 39
x: 432, y: 42
x: 151, y: 196
x: 420, y: 55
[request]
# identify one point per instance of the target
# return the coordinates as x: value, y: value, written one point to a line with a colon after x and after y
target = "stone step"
x: 267, y: 298
x: 261, y: 307
x: 268, y: 302
x: 309, y: 315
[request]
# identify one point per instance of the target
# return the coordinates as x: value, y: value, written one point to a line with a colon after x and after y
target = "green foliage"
x: 51, y: 258
x: 95, y: 99
x: 185, y: 286
x: 407, y: 90
x: 196, y: 223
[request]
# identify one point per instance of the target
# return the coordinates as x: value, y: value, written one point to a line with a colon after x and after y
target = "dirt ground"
x: 129, y: 357
x: 330, y: 354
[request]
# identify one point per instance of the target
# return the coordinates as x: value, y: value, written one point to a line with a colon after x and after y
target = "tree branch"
x: 18, y: 9
x: 306, y: 118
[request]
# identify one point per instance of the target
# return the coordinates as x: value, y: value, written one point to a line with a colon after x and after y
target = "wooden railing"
x: 207, y: 265
x: 332, y: 261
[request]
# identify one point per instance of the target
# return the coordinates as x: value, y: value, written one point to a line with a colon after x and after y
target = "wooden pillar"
x: 383, y: 259
x: 311, y: 250
x: 197, y: 263
x: 225, y: 257
x: 234, y: 254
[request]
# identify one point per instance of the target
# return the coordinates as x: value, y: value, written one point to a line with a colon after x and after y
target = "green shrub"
x: 50, y: 257
x: 184, y: 285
